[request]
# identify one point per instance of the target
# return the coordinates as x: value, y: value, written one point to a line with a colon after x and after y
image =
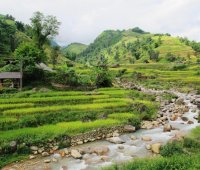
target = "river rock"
x: 80, y: 142
x: 146, y: 138
x: 67, y: 152
x: 47, y: 161
x: 62, y: 153
x: 100, y: 150
x: 32, y: 157
x: 115, y: 140
x: 167, y: 128
x: 186, y: 109
x: 40, y: 150
x: 121, y: 147
x: 34, y: 148
x: 185, y: 119
x: 76, y: 154
x: 173, y: 117
x: 196, y: 117
x: 55, y: 148
x: 133, y: 137
x: 115, y: 134
x: 190, y: 122
x: 148, y: 147
x: 54, y: 160
x: 63, y: 168
x: 193, y: 110
x: 44, y: 154
x: 104, y: 158
x: 155, y: 148
x: 129, y: 128
x: 180, y: 101
x: 13, y: 144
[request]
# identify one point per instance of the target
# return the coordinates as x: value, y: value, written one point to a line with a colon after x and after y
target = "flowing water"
x: 131, y: 148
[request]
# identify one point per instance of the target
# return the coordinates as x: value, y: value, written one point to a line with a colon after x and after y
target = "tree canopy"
x: 43, y: 27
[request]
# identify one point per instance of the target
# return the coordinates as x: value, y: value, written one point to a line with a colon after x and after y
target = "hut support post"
x: 1, y: 83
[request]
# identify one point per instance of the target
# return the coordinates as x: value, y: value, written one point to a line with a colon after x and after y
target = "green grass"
x: 14, y: 106
x: 162, y: 76
x: 7, y: 119
x: 46, y: 109
x: 43, y: 133
x: 122, y: 116
x: 7, y: 159
x: 176, y: 162
x: 51, y: 99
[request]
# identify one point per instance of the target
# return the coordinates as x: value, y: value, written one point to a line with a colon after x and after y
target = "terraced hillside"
x: 137, y: 46
x: 34, y: 118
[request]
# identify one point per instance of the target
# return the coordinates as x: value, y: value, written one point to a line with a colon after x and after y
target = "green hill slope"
x: 75, y: 48
x: 137, y: 46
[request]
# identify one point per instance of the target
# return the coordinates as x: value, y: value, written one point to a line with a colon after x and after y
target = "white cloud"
x: 83, y: 20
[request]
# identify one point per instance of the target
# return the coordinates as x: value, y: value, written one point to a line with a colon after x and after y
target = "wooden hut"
x: 15, y: 77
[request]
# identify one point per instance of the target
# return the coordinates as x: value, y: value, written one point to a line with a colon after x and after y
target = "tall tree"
x: 43, y: 27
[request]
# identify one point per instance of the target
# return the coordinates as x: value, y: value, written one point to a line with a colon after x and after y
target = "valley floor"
x: 38, y: 124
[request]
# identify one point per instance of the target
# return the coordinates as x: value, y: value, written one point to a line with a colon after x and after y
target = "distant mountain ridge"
x: 138, y: 46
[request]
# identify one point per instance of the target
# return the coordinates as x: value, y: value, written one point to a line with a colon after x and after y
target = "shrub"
x: 8, y: 90
x: 191, y: 143
x: 121, y: 72
x: 102, y: 75
x: 171, y: 57
x: 66, y: 76
x: 172, y: 149
x: 179, y: 67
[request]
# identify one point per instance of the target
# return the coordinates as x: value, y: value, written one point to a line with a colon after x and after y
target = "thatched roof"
x: 10, y: 75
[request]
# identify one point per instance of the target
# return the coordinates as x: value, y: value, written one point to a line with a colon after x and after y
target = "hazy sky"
x: 83, y: 20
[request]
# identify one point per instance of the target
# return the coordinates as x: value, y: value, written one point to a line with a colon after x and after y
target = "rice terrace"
x: 116, y: 99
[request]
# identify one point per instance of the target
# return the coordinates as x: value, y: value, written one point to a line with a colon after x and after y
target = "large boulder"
x: 76, y: 154
x: 100, y: 150
x: 155, y: 148
x: 167, y: 128
x: 115, y: 140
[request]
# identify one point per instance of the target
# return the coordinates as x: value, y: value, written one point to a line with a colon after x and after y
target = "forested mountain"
x: 137, y: 46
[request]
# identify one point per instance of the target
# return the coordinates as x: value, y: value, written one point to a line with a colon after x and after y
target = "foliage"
x: 43, y: 27
x: 66, y: 76
x: 172, y: 149
x: 29, y: 55
x: 102, y: 75
x: 54, y: 55
x: 7, y: 36
x: 171, y: 57
x: 105, y: 40
x: 138, y: 30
